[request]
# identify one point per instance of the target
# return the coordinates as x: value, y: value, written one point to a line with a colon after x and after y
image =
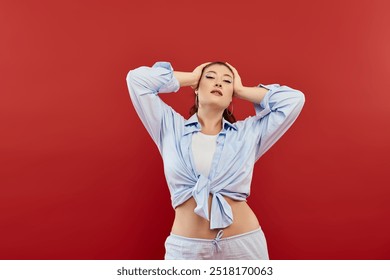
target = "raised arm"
x: 275, y: 114
x: 144, y: 84
x: 277, y: 107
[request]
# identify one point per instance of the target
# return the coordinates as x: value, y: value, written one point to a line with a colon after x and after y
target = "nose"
x: 218, y: 84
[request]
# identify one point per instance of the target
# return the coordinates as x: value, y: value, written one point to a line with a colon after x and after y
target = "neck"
x: 211, y: 121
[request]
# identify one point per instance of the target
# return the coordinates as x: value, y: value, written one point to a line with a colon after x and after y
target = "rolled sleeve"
x: 166, y: 69
x: 144, y: 84
x: 277, y: 111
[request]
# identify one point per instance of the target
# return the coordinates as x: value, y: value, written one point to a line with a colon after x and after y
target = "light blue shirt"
x: 239, y: 145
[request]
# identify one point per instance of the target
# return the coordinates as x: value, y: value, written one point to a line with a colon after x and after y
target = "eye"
x: 228, y: 81
x: 209, y: 77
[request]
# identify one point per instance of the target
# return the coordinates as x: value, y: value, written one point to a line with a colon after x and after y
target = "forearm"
x: 252, y: 94
x: 185, y: 78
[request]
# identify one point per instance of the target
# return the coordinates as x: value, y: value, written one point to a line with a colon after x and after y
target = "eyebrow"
x: 223, y: 74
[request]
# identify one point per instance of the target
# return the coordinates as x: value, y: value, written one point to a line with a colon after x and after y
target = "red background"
x: 81, y: 179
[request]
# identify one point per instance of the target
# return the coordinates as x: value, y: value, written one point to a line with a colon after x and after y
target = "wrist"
x: 240, y: 92
x: 252, y: 94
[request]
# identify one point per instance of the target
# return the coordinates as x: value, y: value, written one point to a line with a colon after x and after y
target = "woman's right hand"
x: 197, y: 72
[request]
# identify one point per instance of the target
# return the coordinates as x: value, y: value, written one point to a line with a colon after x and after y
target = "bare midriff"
x: 189, y: 224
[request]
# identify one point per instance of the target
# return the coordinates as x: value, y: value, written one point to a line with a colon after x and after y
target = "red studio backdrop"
x: 80, y: 177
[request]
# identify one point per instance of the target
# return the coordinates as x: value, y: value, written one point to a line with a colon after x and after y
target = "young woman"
x: 209, y: 158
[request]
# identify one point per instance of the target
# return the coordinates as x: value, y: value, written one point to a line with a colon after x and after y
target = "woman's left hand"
x: 237, y: 83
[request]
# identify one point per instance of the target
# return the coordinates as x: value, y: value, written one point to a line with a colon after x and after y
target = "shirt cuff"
x: 173, y: 84
x: 263, y: 108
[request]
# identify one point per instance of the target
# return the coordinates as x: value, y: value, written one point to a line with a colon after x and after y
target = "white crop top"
x: 203, y: 148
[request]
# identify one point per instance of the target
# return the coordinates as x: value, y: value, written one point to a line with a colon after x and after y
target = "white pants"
x: 247, y: 246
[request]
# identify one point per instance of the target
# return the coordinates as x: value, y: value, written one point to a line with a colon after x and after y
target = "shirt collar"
x: 192, y: 120
x: 192, y: 124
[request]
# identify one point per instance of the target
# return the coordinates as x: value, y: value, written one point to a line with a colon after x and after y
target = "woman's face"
x: 216, y: 87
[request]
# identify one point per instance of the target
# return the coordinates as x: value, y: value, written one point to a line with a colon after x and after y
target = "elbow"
x: 134, y: 82
x: 296, y: 100
x: 299, y: 101
x: 129, y: 76
x: 138, y: 77
x: 301, y: 98
x: 131, y: 80
x: 135, y: 74
x: 294, y: 95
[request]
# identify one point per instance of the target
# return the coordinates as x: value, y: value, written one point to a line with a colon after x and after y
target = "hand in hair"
x: 197, y: 72
x: 237, y: 83
x: 252, y: 94
x: 190, y: 78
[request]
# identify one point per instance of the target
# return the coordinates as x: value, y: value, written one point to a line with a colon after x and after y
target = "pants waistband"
x: 218, y: 238
x: 208, y: 240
